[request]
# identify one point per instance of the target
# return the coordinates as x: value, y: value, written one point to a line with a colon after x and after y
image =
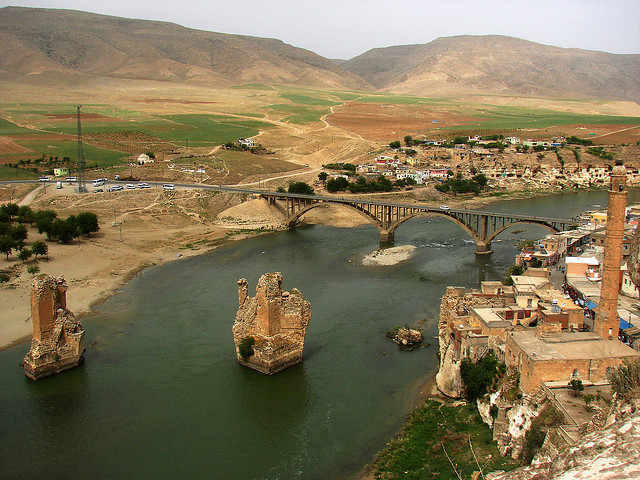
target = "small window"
x: 575, y: 373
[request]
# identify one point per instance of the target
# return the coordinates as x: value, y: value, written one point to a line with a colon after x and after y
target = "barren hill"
x: 501, y: 65
x: 41, y: 41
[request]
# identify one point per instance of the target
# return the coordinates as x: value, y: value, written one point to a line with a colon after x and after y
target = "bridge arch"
x: 530, y: 222
x: 293, y: 219
x: 483, y: 245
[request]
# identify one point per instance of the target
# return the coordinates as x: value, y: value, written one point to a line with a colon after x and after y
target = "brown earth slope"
x: 498, y: 64
x: 37, y: 41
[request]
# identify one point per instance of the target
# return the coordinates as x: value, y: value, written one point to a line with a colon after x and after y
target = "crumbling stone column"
x: 270, y: 328
x: 57, y: 343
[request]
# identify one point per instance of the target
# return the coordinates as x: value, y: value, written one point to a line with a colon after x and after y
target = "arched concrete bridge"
x: 483, y: 227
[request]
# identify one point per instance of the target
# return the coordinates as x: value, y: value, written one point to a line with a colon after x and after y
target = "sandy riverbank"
x: 388, y: 256
x: 137, y: 231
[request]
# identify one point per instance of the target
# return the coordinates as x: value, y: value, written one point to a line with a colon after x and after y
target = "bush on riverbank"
x: 434, y: 432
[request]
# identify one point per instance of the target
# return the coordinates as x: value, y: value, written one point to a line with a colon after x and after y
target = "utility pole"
x: 82, y: 188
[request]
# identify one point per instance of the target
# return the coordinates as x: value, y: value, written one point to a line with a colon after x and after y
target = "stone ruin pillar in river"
x: 58, y: 338
x: 270, y: 328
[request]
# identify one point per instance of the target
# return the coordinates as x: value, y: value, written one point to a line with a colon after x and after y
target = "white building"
x: 144, y: 158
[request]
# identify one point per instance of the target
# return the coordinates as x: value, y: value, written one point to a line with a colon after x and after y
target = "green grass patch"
x: 61, y: 149
x: 432, y: 429
x: 309, y: 100
x: 298, y: 114
x: 9, y: 128
x: 507, y: 117
x: 402, y: 100
x: 208, y: 128
x: 7, y: 173
x: 346, y: 96
x: 303, y: 119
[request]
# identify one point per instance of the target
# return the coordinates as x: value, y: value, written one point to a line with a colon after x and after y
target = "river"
x: 160, y: 395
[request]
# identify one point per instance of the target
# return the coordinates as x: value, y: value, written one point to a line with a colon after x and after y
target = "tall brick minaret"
x: 607, y: 321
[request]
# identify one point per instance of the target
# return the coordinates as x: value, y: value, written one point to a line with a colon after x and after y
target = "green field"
x: 299, y: 114
x: 502, y: 117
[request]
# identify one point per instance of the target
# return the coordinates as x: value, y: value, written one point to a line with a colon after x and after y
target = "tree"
x: 11, y: 209
x: 480, y: 179
x: 395, y: 144
x: 19, y: 233
x: 64, y: 230
x: 576, y: 386
x: 408, y: 140
x: 87, y: 223
x: 512, y: 270
x: 24, y: 254
x: 478, y: 377
x: 300, y: 187
x: 26, y: 215
x: 7, y: 244
x: 337, y: 184
x: 39, y: 248
x: 323, y: 176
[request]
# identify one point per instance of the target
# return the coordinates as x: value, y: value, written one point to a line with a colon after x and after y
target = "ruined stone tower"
x: 270, y: 328
x: 57, y: 343
x: 607, y: 321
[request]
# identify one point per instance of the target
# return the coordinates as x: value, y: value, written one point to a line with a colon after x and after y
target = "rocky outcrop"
x: 58, y: 338
x: 612, y: 453
x: 407, y: 337
x: 270, y: 328
x: 454, y: 315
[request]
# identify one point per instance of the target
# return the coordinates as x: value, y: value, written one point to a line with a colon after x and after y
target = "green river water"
x: 160, y: 395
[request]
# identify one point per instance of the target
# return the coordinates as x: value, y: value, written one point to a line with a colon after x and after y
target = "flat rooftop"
x: 490, y: 318
x: 571, y: 346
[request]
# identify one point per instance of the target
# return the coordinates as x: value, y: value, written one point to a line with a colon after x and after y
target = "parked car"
x: 131, y: 186
x: 116, y: 188
x: 144, y: 185
x: 445, y: 207
x: 168, y: 186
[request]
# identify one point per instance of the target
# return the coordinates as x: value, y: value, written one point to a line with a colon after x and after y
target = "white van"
x: 58, y: 185
x: 99, y: 182
x: 43, y: 179
x: 168, y: 186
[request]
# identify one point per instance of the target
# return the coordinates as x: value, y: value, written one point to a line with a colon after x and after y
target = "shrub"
x: 625, y: 380
x: 33, y: 269
x: 4, y: 277
x: 245, y: 347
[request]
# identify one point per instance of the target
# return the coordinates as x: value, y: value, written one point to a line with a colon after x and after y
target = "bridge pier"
x: 483, y: 248
x: 387, y: 236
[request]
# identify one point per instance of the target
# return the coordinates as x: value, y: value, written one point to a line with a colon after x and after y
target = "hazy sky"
x: 346, y: 28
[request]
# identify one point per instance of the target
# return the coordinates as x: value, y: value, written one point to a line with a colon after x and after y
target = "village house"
x: 143, y: 159
x: 247, y: 142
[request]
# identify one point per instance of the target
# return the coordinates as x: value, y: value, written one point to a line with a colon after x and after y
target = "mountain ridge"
x: 59, y: 43
x: 36, y: 40
x: 498, y: 64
